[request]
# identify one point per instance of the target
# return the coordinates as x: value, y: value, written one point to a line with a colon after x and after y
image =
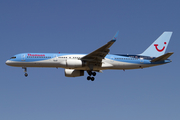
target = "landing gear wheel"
x: 26, y: 74
x: 91, y: 74
x: 88, y: 78
x: 94, y: 73
x: 92, y: 78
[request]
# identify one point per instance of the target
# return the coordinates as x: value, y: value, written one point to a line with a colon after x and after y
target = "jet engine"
x: 73, y: 73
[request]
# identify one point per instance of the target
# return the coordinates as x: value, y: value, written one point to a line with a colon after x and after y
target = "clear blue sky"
x: 81, y: 26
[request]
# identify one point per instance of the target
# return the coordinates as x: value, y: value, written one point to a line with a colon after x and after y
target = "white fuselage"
x: 73, y: 61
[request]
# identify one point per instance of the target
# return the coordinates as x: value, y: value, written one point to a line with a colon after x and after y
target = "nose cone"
x: 11, y: 63
x: 8, y: 62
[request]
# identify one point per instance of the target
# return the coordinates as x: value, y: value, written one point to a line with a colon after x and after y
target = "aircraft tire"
x: 26, y: 74
x: 88, y: 78
x: 94, y: 73
x: 92, y: 78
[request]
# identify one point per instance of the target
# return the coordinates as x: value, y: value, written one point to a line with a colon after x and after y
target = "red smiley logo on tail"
x: 159, y: 50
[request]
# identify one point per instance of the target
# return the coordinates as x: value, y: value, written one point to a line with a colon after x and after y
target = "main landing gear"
x: 91, y: 73
x: 25, y: 70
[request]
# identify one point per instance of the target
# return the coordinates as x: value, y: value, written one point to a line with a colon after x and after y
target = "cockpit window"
x: 12, y: 57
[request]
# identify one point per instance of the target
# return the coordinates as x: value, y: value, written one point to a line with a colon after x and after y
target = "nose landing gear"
x: 25, y: 70
x: 91, y: 73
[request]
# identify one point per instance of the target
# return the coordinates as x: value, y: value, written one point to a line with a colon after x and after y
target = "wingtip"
x: 168, y: 32
x: 113, y: 40
x: 115, y: 36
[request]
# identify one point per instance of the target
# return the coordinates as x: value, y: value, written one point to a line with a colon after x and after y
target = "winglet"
x: 115, y: 36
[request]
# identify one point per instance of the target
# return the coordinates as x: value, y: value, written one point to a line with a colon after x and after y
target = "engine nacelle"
x: 74, y: 63
x: 73, y: 73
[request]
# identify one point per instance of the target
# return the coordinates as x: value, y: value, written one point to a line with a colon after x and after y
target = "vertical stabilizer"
x: 158, y: 47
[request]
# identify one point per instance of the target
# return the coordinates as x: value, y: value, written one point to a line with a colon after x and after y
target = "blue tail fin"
x: 158, y: 47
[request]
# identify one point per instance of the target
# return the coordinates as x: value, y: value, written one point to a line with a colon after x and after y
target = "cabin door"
x: 54, y: 57
x: 23, y: 57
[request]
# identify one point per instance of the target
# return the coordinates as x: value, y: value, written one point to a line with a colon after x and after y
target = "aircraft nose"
x: 7, y: 62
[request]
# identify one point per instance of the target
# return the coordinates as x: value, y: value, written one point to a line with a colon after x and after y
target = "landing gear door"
x: 23, y: 57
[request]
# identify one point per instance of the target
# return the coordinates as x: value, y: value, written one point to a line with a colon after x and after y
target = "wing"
x: 100, y: 53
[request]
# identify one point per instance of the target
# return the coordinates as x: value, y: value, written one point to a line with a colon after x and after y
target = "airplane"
x: 98, y: 60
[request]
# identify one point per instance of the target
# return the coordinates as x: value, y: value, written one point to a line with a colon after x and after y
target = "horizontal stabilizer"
x: 162, y: 57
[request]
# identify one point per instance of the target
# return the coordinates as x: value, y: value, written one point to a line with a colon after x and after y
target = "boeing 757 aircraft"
x: 96, y: 61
